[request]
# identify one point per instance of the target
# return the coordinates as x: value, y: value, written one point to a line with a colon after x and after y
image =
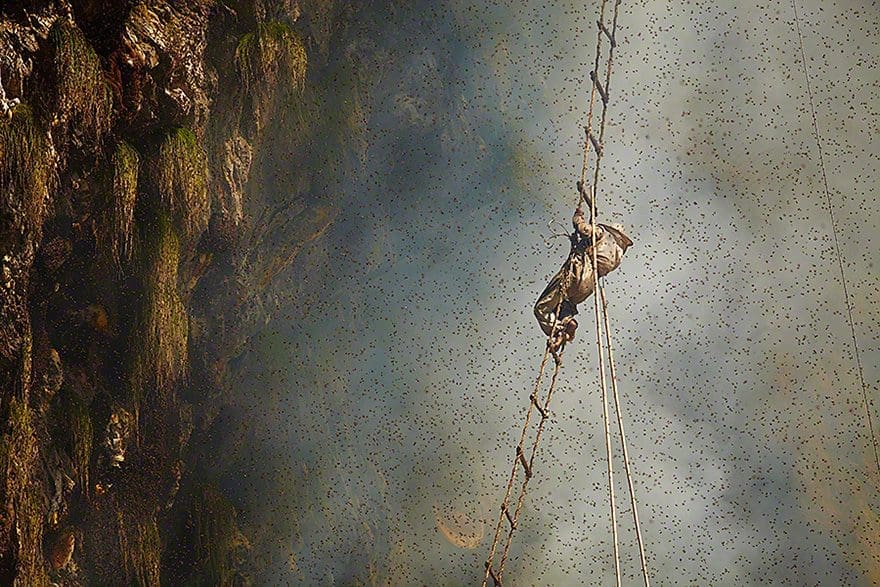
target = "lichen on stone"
x: 27, y: 171
x: 183, y: 183
x: 83, y: 99
x: 162, y: 333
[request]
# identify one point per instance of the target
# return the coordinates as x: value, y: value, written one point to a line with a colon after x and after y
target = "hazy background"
x: 388, y: 391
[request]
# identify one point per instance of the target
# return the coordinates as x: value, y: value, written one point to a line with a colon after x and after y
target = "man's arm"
x: 582, y: 225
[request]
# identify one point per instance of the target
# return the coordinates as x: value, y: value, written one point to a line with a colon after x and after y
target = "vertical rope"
x: 852, y: 325
x: 629, y: 476
x: 598, y: 145
x: 604, y: 389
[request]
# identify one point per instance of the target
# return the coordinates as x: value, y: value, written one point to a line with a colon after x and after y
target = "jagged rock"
x: 238, y: 156
x: 114, y: 446
x: 54, y: 375
x: 163, y: 43
x: 138, y: 125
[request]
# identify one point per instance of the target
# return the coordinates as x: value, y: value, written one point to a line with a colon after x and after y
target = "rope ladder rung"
x: 495, y: 578
x: 539, y: 407
x: 607, y: 33
x: 522, y: 459
x: 510, y: 518
x: 603, y: 93
x: 597, y: 146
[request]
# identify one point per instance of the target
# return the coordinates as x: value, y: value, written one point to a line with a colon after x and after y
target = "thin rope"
x: 629, y: 476
x: 604, y: 388
x: 852, y: 326
x: 593, y: 91
x: 598, y: 146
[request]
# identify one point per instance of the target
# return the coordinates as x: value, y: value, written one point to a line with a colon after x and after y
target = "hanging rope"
x: 520, y: 461
x: 852, y: 326
x: 629, y: 477
x: 598, y: 146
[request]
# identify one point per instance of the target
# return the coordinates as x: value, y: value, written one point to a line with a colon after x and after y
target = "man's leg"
x: 565, y: 326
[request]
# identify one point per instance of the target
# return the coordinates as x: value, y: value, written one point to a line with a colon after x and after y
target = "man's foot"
x: 570, y: 329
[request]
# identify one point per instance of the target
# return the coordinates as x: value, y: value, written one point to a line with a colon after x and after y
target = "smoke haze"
x: 384, y: 399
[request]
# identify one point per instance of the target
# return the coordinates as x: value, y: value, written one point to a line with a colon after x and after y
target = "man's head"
x: 616, y: 230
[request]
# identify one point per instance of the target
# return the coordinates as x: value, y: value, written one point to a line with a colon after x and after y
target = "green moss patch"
x: 81, y: 439
x: 118, y: 235
x: 161, y: 339
x: 270, y: 60
x: 273, y: 47
x: 23, y: 493
x: 183, y: 183
x: 26, y: 169
x: 83, y: 100
x: 214, y: 533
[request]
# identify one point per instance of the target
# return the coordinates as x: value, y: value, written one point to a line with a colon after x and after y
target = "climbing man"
x: 574, y: 282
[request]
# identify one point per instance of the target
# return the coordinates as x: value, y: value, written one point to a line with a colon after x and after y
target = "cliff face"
x: 158, y: 172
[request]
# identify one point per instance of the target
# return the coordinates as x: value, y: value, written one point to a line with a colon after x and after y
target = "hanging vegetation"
x: 118, y: 233
x: 214, y: 534
x: 81, y: 437
x: 271, y: 59
x: 161, y: 345
x: 26, y: 170
x: 141, y: 549
x: 18, y: 457
x: 83, y: 100
x: 183, y: 183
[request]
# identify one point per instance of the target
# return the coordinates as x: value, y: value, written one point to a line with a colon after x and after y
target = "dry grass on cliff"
x: 183, y: 183
x: 83, y: 99
x: 81, y: 436
x: 215, y: 535
x: 273, y: 48
x: 26, y: 170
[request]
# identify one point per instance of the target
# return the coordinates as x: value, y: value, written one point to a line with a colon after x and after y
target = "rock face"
x: 139, y: 243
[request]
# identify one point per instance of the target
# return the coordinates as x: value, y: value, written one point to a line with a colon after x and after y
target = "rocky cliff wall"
x: 158, y: 172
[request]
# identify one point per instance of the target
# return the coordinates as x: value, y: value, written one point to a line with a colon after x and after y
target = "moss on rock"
x: 23, y: 494
x: 183, y: 183
x: 274, y: 46
x: 161, y: 339
x: 117, y: 237
x: 214, y: 533
x: 27, y: 171
x: 83, y: 99
x: 141, y: 548
x: 270, y: 59
x: 81, y: 439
